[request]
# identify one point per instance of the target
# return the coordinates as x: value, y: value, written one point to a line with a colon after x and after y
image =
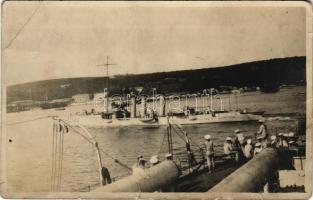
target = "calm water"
x: 29, y: 153
x: 125, y: 144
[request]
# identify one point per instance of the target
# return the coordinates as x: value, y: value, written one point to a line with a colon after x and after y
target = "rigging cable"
x: 91, y: 142
x: 161, y: 147
x: 185, y: 134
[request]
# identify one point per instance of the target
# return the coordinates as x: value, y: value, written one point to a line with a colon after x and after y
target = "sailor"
x: 169, y: 156
x: 285, y: 137
x: 106, y: 178
x: 209, y: 152
x: 262, y: 141
x: 280, y: 140
x: 139, y: 165
x: 257, y: 148
x: 291, y: 136
x: 236, y: 142
x: 248, y: 150
x: 292, y: 143
x: 245, y: 110
x: 93, y: 111
x: 138, y: 159
x: 274, y: 142
x: 228, y: 146
x: 238, y: 145
x: 291, y: 139
x: 142, y: 163
x: 191, y: 157
x: 262, y: 132
x: 241, y: 139
x: 154, y: 160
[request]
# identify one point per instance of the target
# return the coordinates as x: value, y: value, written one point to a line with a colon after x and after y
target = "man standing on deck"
x: 209, y: 152
x: 239, y: 138
x: 139, y: 166
x: 257, y: 148
x: 154, y: 160
x: 262, y: 132
x: 248, y: 150
x: 106, y: 178
x: 228, y: 147
x: 274, y: 142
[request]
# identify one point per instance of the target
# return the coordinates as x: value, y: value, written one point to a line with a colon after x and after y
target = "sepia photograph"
x: 156, y: 100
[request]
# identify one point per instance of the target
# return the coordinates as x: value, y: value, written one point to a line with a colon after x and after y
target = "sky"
x: 48, y: 40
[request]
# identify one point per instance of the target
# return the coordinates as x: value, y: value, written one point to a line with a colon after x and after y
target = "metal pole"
x: 221, y: 104
x: 153, y: 103
x: 229, y: 102
x: 211, y: 99
x: 196, y: 102
x: 108, y: 83
x: 107, y: 64
x: 169, y: 136
x: 236, y: 101
x: 203, y: 103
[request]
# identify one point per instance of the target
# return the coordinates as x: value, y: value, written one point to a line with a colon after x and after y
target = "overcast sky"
x: 49, y: 40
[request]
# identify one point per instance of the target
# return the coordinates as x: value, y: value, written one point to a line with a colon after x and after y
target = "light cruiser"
x: 107, y: 121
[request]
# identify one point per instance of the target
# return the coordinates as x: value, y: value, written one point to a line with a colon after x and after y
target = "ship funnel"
x: 133, y: 107
x: 162, y: 106
x: 143, y: 106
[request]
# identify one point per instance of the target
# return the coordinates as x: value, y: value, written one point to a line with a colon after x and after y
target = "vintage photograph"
x: 155, y: 97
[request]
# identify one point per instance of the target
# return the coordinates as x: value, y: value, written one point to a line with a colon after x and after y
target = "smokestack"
x: 133, y: 107
x: 162, y: 106
x: 143, y: 106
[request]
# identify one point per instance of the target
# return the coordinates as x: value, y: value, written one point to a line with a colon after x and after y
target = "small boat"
x: 60, y: 108
x: 57, y: 103
x: 147, y: 120
x: 254, y: 112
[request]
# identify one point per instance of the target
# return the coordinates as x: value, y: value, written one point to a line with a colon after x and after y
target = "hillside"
x: 260, y: 73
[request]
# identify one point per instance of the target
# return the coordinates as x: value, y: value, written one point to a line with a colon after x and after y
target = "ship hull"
x: 97, y: 121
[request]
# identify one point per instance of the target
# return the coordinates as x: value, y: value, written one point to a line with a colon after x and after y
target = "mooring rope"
x: 161, y: 147
x: 107, y: 154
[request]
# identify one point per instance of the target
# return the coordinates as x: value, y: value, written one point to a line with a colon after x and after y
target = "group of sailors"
x: 242, y: 149
x: 141, y: 163
x: 238, y: 147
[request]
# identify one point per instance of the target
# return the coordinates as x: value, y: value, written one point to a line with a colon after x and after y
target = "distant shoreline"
x: 267, y: 73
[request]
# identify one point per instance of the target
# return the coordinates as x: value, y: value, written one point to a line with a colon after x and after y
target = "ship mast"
x: 107, y: 64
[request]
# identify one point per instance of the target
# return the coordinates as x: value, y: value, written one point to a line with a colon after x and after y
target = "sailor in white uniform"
x: 209, y: 152
x: 248, y: 149
x: 257, y: 148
